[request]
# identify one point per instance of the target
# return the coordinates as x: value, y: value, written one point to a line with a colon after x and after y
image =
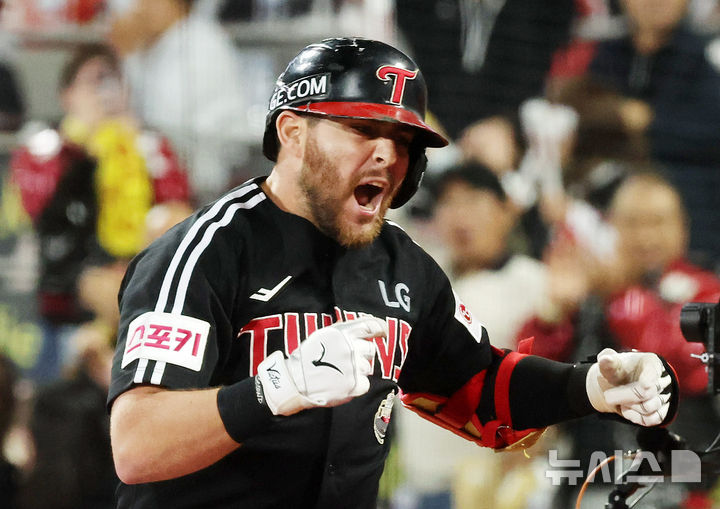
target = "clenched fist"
x: 639, y: 386
x: 329, y: 368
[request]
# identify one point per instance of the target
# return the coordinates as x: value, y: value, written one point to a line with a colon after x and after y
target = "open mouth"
x: 369, y: 196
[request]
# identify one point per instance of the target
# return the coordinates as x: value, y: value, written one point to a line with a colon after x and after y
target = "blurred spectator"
x: 73, y: 467
x: 8, y: 472
x: 49, y: 15
x: 11, y: 105
x: 474, y: 218
x: 88, y: 188
x: 186, y: 79
x: 498, y: 143
x: 98, y: 286
x: 12, y: 108
x: 643, y: 287
x: 632, y: 300
x: 231, y: 10
x: 491, y: 142
x: 550, y: 132
x: 658, y: 86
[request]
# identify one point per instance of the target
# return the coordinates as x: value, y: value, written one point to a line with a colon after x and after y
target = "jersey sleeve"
x: 175, y: 310
x: 496, y: 398
x: 448, y: 345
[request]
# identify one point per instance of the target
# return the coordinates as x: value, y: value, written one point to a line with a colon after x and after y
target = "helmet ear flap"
x: 270, y: 145
x: 411, y: 183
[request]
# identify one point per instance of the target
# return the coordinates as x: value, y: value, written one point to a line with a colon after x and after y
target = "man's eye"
x: 362, y: 129
x: 404, y: 142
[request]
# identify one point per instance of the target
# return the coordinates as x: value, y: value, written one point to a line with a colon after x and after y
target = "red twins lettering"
x: 399, y: 82
x: 386, y: 348
x: 260, y: 332
x: 257, y: 330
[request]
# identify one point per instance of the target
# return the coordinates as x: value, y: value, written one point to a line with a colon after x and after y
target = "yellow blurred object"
x: 75, y: 130
x: 516, y: 487
x: 123, y: 184
x: 476, y: 481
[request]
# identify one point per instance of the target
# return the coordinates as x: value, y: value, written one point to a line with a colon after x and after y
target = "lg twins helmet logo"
x: 399, y: 77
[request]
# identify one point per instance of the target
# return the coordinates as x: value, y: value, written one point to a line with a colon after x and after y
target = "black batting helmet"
x: 357, y: 78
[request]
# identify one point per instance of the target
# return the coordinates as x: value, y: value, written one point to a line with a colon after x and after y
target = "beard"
x: 325, y: 196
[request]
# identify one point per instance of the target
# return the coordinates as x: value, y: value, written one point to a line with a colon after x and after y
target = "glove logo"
x: 274, y: 376
x: 319, y: 362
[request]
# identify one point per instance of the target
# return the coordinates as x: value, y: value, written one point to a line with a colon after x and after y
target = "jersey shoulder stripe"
x: 393, y: 223
x: 406, y: 234
x: 197, y: 238
x: 177, y: 276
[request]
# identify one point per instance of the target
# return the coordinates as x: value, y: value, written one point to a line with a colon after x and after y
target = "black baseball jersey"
x: 207, y: 302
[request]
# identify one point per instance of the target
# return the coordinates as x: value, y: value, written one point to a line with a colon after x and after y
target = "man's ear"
x: 291, y: 131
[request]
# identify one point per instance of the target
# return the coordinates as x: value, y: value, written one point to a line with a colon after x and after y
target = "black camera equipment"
x: 658, y: 441
x: 699, y: 324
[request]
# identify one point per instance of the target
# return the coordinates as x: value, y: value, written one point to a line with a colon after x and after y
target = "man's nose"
x: 386, y: 153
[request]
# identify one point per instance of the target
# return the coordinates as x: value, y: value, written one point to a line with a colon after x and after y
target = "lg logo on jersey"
x: 402, y: 294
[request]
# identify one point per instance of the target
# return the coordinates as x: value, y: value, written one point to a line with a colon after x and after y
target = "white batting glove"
x: 328, y: 369
x: 635, y: 385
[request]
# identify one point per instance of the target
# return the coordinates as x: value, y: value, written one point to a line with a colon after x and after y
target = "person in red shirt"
x: 88, y: 187
x: 642, y: 289
x: 631, y: 301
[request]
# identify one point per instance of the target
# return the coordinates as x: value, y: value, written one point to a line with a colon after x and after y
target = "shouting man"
x: 264, y: 340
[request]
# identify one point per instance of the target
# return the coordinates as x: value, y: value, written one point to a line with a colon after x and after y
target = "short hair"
x: 82, y: 54
x: 648, y: 177
x: 474, y: 174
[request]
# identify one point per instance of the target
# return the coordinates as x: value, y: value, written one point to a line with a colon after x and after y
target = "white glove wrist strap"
x: 595, y: 393
x: 281, y: 393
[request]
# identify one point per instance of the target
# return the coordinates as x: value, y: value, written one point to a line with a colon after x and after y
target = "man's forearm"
x: 544, y: 392
x: 159, y: 434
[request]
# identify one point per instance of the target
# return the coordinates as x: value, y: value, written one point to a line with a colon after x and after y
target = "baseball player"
x: 264, y: 341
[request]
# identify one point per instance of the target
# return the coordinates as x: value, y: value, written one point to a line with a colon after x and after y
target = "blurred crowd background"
x: 578, y: 203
